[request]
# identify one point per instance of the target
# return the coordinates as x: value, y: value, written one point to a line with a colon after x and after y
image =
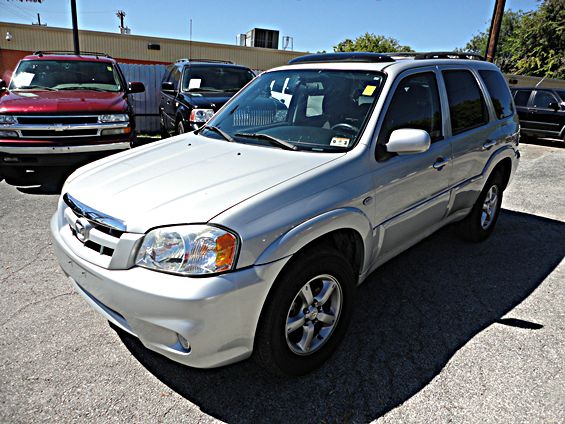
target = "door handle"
x: 440, y: 163
x: 489, y: 144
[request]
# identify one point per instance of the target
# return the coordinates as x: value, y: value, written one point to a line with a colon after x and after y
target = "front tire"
x: 480, y: 223
x: 307, y: 313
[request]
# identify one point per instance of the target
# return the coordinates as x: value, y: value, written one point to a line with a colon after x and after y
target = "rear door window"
x: 542, y: 99
x: 521, y: 97
x: 467, y: 106
x: 499, y: 93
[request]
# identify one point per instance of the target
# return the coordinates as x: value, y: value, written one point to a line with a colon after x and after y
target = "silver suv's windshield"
x: 65, y: 75
x: 320, y: 110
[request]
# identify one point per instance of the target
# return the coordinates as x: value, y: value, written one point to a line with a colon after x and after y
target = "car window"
x: 317, y: 110
x: 215, y: 78
x: 414, y: 104
x: 542, y: 99
x: 561, y: 94
x: 175, y: 77
x: 467, y: 106
x: 499, y: 93
x: 66, y: 75
x: 521, y: 97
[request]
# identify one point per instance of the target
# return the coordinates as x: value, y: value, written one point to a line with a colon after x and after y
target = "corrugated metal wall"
x: 146, y: 105
x: 134, y: 47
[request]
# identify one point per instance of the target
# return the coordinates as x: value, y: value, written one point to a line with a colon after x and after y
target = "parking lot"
x: 446, y: 332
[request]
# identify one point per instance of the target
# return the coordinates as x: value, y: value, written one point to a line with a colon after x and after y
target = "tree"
x: 371, y: 43
x: 503, y: 57
x: 538, y: 43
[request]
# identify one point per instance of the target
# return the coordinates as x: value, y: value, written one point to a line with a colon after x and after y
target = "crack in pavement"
x: 11, y: 274
x: 27, y: 305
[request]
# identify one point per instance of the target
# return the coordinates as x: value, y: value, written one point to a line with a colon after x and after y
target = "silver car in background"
x: 251, y: 234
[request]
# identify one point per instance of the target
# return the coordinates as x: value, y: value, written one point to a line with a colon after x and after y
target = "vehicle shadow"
x: 412, y: 316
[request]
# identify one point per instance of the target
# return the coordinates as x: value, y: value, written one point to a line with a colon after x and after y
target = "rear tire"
x: 306, y: 314
x: 480, y: 222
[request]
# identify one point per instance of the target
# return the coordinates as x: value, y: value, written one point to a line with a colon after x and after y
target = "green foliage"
x: 538, y: 43
x: 478, y: 44
x: 529, y: 43
x: 371, y: 43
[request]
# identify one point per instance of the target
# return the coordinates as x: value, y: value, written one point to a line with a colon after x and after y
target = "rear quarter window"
x: 499, y: 93
x: 521, y: 97
x: 467, y: 106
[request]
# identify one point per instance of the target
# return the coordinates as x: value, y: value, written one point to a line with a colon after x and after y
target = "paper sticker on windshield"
x: 194, y: 83
x: 339, y: 142
x: 369, y: 90
x: 23, y: 79
x: 109, y: 68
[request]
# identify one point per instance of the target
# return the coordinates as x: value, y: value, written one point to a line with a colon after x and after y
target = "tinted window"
x: 561, y: 94
x: 415, y: 104
x: 215, y: 78
x: 175, y: 77
x: 521, y: 97
x: 542, y: 99
x: 499, y: 93
x: 466, y: 103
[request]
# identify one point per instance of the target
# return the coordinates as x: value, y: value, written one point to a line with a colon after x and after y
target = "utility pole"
x: 38, y: 21
x: 75, y: 26
x: 190, y: 41
x: 123, y: 29
x: 495, y: 29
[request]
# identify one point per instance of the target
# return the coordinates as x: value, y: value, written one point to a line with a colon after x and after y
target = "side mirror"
x: 168, y: 86
x: 554, y: 106
x: 136, y: 87
x: 407, y: 140
x: 3, y: 85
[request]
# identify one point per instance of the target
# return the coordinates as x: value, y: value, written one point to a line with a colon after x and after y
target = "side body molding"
x: 301, y: 235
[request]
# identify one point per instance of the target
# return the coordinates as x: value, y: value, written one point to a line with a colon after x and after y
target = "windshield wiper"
x: 31, y: 87
x: 198, y: 89
x: 221, y: 132
x: 280, y: 143
x: 85, y: 88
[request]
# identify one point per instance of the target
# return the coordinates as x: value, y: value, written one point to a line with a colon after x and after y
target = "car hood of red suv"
x: 68, y: 101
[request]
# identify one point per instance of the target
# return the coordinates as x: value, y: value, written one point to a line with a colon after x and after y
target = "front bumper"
x: 217, y: 315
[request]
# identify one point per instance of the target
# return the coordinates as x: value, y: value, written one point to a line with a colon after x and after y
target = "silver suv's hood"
x: 188, y: 179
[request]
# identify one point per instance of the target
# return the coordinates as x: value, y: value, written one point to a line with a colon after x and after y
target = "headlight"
x: 201, y: 115
x: 188, y: 250
x: 114, y: 117
x: 7, y: 119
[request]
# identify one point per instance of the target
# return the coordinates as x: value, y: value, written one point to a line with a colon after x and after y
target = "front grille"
x: 49, y: 120
x: 54, y: 133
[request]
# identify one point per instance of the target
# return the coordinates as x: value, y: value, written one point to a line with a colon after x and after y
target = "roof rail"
x: 229, y: 62
x: 342, y: 57
x: 447, y: 55
x: 70, y: 53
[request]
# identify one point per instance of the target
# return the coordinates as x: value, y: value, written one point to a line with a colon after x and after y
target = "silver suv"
x: 251, y: 234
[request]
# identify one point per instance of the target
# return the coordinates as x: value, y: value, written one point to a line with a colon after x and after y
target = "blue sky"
x: 314, y: 24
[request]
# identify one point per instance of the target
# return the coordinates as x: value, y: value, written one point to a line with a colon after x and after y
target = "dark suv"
x: 541, y: 112
x: 194, y: 89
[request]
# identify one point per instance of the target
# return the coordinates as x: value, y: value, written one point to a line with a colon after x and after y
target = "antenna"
x: 38, y: 21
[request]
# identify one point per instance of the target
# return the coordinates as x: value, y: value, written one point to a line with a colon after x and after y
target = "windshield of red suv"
x: 215, y: 78
x: 319, y: 110
x: 65, y: 75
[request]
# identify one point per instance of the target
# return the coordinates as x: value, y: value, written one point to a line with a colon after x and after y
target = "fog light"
x: 6, y: 133
x: 184, y: 343
x: 116, y: 131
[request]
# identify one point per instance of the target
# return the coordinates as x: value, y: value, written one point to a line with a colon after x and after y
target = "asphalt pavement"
x: 446, y: 332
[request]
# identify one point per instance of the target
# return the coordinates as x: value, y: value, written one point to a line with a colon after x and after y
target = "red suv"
x: 63, y: 110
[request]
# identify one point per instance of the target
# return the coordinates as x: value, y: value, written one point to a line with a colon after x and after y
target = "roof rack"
x: 445, y: 55
x: 229, y: 62
x: 343, y: 57
x: 70, y: 53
